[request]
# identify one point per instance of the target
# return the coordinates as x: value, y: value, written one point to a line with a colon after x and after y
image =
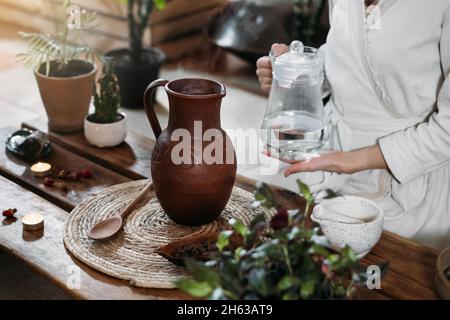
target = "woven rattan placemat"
x: 130, y: 254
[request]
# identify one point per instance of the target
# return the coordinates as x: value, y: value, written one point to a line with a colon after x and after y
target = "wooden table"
x: 411, y: 264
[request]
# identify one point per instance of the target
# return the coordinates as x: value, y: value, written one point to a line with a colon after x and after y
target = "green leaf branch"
x: 276, y: 259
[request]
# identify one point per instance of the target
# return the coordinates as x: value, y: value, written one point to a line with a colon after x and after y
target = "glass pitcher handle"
x: 148, y: 104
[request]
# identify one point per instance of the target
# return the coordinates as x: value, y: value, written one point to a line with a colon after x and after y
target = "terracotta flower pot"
x: 67, y: 94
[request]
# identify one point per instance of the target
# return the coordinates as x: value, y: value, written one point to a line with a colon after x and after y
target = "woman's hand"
x: 341, y: 162
x: 264, y: 67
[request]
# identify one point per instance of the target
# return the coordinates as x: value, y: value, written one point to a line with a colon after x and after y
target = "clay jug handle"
x: 148, y: 104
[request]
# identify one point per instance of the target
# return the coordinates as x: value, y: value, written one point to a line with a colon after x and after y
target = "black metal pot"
x: 134, y: 79
x: 247, y: 28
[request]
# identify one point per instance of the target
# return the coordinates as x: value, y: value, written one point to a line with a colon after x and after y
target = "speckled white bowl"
x: 361, y: 234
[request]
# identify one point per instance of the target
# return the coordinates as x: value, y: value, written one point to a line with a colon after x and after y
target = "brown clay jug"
x: 193, y: 174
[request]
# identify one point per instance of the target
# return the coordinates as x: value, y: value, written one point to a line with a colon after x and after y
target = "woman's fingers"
x: 304, y: 166
x: 334, y: 161
x: 266, y: 87
x: 264, y: 63
x: 330, y: 162
x: 264, y: 67
x: 265, y: 81
x: 264, y: 73
x: 288, y: 161
x: 347, y: 162
x: 279, y: 49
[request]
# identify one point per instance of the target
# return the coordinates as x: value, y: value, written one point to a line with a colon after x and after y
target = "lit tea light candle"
x: 32, y: 222
x: 41, y: 169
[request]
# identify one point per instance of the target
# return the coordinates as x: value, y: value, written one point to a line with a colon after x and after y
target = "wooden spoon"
x: 109, y: 227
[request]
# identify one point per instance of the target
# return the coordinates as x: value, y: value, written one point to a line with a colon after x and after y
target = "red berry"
x: 9, y: 212
x: 85, y: 173
x: 325, y: 268
x: 49, y: 181
x: 280, y: 220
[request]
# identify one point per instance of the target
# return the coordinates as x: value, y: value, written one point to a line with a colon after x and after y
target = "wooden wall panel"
x: 180, y: 18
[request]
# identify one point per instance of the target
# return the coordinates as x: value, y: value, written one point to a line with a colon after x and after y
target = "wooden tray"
x: 18, y: 170
x: 131, y: 158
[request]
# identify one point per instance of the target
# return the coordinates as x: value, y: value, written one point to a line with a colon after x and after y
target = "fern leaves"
x: 44, y: 48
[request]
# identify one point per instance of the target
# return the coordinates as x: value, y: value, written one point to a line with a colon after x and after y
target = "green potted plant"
x: 136, y: 66
x: 64, y: 72
x: 106, y: 127
x: 284, y: 259
x: 306, y: 25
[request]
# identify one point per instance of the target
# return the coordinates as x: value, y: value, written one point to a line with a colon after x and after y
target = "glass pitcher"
x: 294, y: 127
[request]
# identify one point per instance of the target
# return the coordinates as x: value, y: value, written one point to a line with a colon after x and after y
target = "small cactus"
x: 107, y: 99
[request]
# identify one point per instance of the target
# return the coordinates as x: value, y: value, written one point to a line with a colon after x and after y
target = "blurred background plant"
x: 67, y: 44
x: 306, y: 20
x: 138, y: 14
x: 283, y: 259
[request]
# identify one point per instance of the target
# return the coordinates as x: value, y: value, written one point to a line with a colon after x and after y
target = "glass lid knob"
x: 297, y: 47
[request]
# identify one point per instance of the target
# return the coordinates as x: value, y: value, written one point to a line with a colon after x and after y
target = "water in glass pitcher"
x: 294, y: 135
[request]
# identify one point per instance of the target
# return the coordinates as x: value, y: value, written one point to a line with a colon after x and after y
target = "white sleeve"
x: 326, y: 88
x: 417, y: 150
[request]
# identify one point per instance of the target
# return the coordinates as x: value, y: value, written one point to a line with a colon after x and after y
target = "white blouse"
x: 389, y: 78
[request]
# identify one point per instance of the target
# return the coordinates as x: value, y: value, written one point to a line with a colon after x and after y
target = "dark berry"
x: 85, y: 173
x: 9, y: 212
x: 49, y: 181
x: 280, y: 220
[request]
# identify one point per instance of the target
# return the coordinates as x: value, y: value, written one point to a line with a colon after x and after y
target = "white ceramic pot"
x: 352, y: 221
x: 104, y: 135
